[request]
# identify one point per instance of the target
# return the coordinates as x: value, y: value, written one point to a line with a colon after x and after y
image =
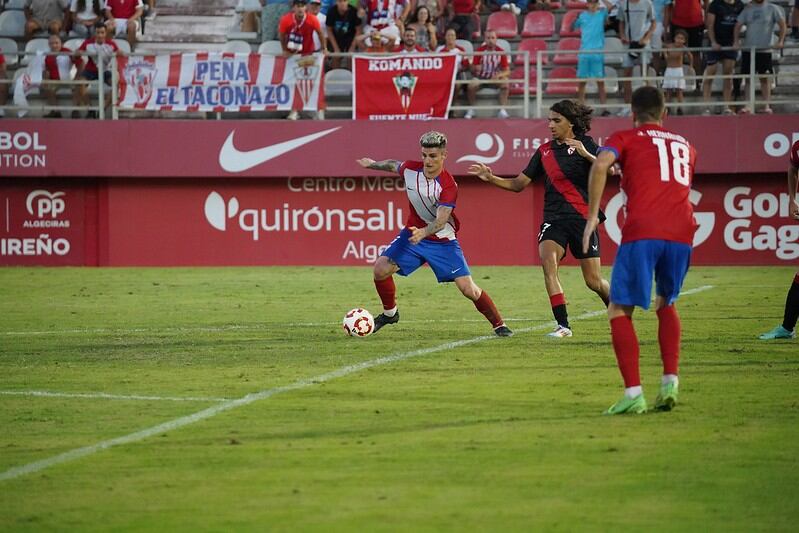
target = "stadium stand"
x: 31, y: 47
x: 9, y: 49
x: 270, y: 47
x: 504, y: 23
x: 559, y: 86
x: 567, y: 24
x: 568, y: 44
x: 12, y: 24
x: 532, y: 46
x: 539, y: 24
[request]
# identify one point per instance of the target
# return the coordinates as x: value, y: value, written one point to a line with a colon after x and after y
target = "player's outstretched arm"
x: 484, y: 172
x: 388, y: 165
x: 596, y: 186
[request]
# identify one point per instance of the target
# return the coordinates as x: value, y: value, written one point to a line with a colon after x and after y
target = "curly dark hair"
x: 578, y: 114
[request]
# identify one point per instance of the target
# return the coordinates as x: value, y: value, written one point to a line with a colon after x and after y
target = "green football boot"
x: 667, y: 397
x: 627, y: 405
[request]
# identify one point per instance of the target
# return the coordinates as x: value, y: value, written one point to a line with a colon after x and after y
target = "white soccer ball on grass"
x: 359, y: 323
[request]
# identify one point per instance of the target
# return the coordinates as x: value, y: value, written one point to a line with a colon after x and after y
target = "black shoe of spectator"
x: 503, y: 331
x: 381, y: 320
x: 53, y: 114
x: 606, y: 113
x: 76, y: 114
x: 91, y: 114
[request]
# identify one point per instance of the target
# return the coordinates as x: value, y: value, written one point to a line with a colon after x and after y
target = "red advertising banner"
x: 271, y: 149
x: 403, y: 87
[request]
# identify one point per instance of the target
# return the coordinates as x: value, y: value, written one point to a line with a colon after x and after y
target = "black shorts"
x: 762, y: 63
x: 695, y: 35
x: 714, y: 56
x: 568, y: 233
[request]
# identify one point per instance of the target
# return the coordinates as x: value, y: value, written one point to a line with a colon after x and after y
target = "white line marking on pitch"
x: 77, y: 453
x: 107, y: 396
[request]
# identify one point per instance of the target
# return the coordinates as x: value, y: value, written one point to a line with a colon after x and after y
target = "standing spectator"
x: 84, y: 14
x: 271, y: 14
x: 491, y: 66
x: 315, y: 7
x: 795, y: 21
x: 661, y: 22
x: 425, y: 30
x: 343, y: 26
x: 722, y: 16
x: 760, y: 17
x: 592, y: 39
x: 689, y: 15
x: 674, y: 77
x: 57, y: 68
x: 44, y: 15
x: 409, y: 45
x: 656, y: 191
x: 98, y: 48
x: 460, y: 17
x: 123, y: 19
x: 636, y: 25
x: 296, y: 32
x: 250, y: 11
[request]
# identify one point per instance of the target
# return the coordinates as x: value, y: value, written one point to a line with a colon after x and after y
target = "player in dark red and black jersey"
x: 564, y: 162
x: 786, y: 330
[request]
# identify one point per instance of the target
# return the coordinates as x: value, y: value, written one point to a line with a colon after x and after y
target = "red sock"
x: 387, y: 291
x: 485, y: 305
x: 625, y: 344
x: 669, y: 338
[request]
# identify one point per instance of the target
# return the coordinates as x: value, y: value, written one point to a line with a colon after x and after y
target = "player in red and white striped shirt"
x: 429, y: 235
x: 492, y: 66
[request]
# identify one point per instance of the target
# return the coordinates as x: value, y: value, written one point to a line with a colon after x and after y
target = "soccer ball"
x: 359, y: 323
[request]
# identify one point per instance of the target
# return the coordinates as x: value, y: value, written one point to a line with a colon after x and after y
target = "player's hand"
x: 793, y: 209
x: 590, y: 226
x: 481, y: 171
x: 365, y: 162
x: 417, y: 234
x: 577, y: 145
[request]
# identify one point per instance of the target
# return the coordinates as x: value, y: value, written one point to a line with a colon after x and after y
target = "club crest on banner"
x: 139, y: 75
x: 405, y: 84
x: 305, y: 73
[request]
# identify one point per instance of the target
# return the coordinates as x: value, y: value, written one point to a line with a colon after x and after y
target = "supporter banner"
x: 403, y: 87
x: 279, y: 149
x: 218, y: 81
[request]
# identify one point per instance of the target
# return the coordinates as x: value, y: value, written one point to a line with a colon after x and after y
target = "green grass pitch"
x: 489, y: 434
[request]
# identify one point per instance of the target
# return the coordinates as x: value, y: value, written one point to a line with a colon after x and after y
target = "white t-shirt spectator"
x: 88, y: 11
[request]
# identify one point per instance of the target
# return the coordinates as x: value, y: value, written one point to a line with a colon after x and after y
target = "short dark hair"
x: 648, y: 103
x: 576, y: 113
x: 98, y: 25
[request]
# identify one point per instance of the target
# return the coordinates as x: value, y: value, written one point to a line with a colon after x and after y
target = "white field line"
x: 107, y: 396
x: 227, y: 405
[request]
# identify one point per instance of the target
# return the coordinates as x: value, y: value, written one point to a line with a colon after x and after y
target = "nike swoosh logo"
x: 234, y: 160
x: 455, y: 270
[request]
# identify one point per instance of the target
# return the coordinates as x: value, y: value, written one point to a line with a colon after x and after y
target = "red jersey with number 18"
x: 657, y: 170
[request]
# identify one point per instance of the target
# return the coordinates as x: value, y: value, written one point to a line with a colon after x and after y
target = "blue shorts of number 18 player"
x: 631, y: 282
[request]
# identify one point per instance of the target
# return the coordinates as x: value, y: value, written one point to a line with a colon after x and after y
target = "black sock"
x: 791, y: 307
x: 561, y: 316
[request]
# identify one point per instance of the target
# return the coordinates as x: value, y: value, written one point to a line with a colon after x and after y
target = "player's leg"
x: 590, y: 263
x: 630, y: 286
x: 483, y: 303
x: 400, y: 258
x: 551, y: 249
x: 786, y: 329
x: 670, y: 272
x: 728, y: 67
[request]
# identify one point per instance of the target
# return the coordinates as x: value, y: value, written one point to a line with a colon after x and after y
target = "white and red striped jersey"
x: 424, y: 197
x: 489, y: 64
x: 106, y: 50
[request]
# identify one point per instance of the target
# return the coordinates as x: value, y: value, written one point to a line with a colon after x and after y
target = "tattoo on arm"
x: 442, y: 216
x: 388, y: 165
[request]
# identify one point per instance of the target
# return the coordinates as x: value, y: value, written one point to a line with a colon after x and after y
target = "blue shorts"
x: 590, y: 65
x: 637, y: 261
x: 445, y: 258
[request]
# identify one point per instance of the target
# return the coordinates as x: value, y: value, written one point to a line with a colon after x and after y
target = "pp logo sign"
x: 41, y: 203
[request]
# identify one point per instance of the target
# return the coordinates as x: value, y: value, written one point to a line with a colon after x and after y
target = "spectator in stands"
x: 94, y: 49
x: 661, y: 12
x: 409, y: 45
x: 675, y: 54
x: 613, y: 17
x: 689, y: 16
x: 516, y: 7
x: 343, y: 26
x: 721, y: 18
x: 84, y: 14
x: 433, y: 8
x: 3, y: 86
x: 492, y: 66
x: 250, y: 11
x: 44, y: 15
x: 761, y: 19
x: 315, y: 8
x: 271, y: 14
x: 296, y: 30
x: 373, y: 41
x: 636, y: 25
x: 123, y: 18
x: 425, y: 30
x: 591, y: 23
x: 795, y: 21
x: 459, y: 13
x: 464, y: 70
x: 380, y: 14
x: 57, y: 68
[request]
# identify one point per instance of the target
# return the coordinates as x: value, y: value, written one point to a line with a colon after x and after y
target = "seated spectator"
x: 296, y: 31
x: 373, y: 41
x: 451, y: 47
x: 93, y: 50
x: 492, y: 66
x: 250, y: 12
x: 315, y: 8
x: 674, y: 77
x: 123, y: 19
x: 380, y: 14
x: 3, y: 86
x: 459, y: 13
x: 343, y: 27
x: 425, y: 30
x: 514, y: 6
x: 84, y: 14
x: 57, y: 68
x: 409, y: 45
x: 721, y: 18
x: 432, y: 8
x: 149, y: 9
x: 44, y: 15
x: 591, y: 60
